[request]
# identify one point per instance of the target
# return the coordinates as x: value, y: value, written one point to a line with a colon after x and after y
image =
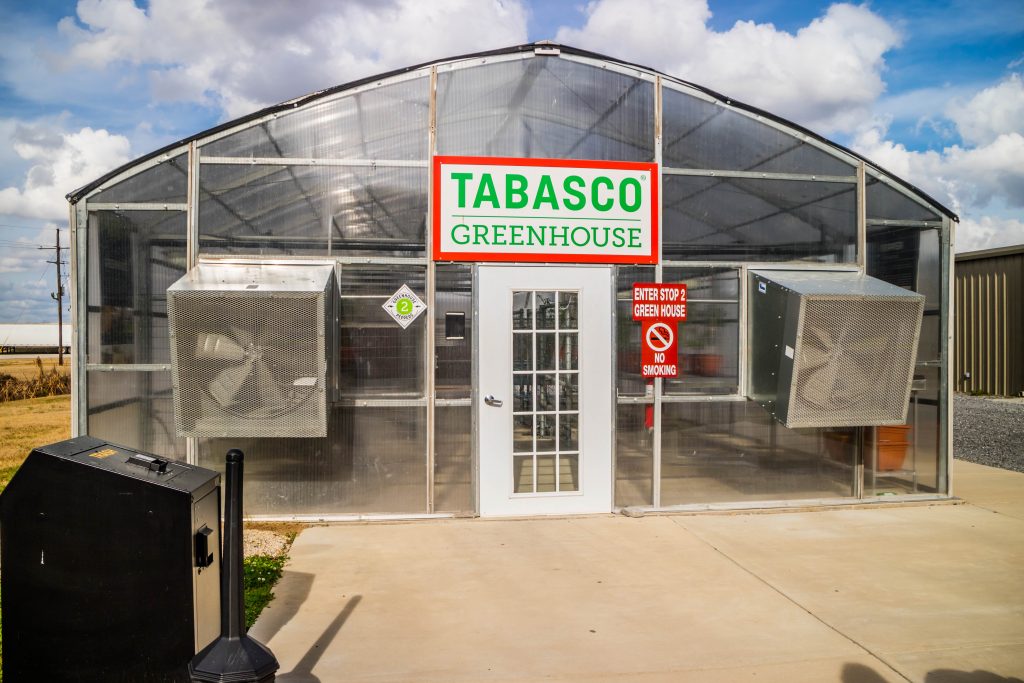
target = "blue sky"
x: 931, y: 90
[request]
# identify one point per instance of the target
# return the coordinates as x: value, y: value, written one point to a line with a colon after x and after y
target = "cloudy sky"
x: 933, y: 90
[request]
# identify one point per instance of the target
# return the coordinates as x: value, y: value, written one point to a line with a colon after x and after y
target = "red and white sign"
x: 660, y: 307
x: 655, y: 301
x: 544, y: 210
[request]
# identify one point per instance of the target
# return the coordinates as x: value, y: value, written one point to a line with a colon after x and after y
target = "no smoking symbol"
x: 659, y: 337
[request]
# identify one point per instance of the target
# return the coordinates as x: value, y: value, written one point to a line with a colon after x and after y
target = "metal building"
x: 990, y: 321
x: 532, y: 281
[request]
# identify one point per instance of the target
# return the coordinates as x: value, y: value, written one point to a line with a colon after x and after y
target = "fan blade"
x: 225, y: 386
x: 271, y: 393
x: 215, y: 346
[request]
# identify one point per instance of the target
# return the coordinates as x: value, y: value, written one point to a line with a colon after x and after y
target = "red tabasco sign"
x: 544, y: 210
x: 659, y: 307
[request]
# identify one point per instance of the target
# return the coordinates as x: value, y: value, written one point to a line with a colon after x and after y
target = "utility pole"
x: 58, y: 296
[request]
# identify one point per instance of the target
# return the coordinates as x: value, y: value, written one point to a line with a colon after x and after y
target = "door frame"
x: 597, y: 444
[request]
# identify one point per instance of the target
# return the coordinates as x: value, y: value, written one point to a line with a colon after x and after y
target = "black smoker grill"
x: 110, y: 565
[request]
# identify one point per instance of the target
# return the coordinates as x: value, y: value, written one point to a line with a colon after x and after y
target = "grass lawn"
x: 29, y: 423
x: 24, y: 367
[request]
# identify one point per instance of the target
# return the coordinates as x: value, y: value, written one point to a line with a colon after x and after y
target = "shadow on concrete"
x: 290, y: 594
x: 859, y: 673
x: 954, y: 676
x: 303, y: 671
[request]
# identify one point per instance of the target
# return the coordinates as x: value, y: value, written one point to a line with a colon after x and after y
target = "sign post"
x: 659, y: 307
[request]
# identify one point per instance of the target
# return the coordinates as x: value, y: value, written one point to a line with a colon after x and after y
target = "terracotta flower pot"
x: 892, y: 446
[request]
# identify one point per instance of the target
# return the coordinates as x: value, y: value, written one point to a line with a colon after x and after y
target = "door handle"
x: 491, y: 401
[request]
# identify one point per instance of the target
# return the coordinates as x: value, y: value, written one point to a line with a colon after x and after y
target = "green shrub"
x: 260, y: 573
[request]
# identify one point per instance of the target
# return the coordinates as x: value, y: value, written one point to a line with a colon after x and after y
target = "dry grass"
x: 29, y: 423
x: 48, y: 380
x: 25, y: 367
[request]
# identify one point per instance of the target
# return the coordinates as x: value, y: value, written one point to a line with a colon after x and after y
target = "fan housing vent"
x: 832, y: 349
x: 249, y: 350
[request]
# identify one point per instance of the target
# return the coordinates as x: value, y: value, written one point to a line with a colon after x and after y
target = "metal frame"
x: 861, y: 172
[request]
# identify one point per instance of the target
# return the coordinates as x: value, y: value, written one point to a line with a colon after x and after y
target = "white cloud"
x: 990, y: 113
x: 60, y: 161
x: 988, y: 232
x: 825, y: 76
x: 983, y: 179
x: 241, y: 56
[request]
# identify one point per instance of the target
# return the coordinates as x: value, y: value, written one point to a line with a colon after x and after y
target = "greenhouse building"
x: 536, y: 280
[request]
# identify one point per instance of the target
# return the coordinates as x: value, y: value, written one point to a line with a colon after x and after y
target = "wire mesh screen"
x: 248, y: 363
x: 853, y: 362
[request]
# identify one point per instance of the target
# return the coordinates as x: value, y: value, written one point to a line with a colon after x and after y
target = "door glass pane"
x: 568, y: 352
x: 545, y: 310
x: 546, y: 351
x: 522, y: 352
x: 567, y: 310
x: 545, y: 382
x: 522, y: 311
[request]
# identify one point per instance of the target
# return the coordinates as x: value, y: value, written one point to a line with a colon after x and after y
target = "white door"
x: 544, y: 404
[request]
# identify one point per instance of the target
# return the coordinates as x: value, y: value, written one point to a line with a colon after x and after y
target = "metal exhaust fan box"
x: 831, y: 349
x: 250, y: 349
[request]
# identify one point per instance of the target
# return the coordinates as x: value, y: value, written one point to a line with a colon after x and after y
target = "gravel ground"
x: 989, y: 431
x: 262, y: 542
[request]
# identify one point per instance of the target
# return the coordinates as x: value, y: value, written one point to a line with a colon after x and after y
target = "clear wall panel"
x: 453, y: 331
x: 165, y: 182
x: 134, y: 409
x: 387, y: 122
x: 252, y: 209
x: 379, y: 359
x: 709, y: 338
x: 912, y: 459
x: 885, y: 203
x: 700, y: 134
x: 373, y: 460
x: 740, y: 219
x: 629, y: 381
x: 722, y: 452
x: 453, y: 469
x: 545, y: 107
x: 134, y: 256
x: 634, y: 454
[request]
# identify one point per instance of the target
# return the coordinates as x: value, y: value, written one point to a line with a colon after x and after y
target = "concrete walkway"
x: 925, y: 593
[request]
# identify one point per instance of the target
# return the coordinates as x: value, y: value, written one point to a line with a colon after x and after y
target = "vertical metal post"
x: 192, y: 254
x: 658, y: 277
x: 946, y: 241
x: 73, y: 251
x: 80, y: 316
x: 431, y: 360
x: 862, y: 213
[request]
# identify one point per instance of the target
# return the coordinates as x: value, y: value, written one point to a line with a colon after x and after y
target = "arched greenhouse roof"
x: 543, y: 48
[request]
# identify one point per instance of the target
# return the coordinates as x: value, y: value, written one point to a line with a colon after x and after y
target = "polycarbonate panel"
x: 312, y: 210
x: 385, y: 122
x: 133, y: 257
x: 544, y: 107
x: 453, y: 363
x: 164, y: 182
x: 453, y: 452
x: 739, y: 219
x: 709, y: 338
x: 133, y: 409
x: 885, y: 203
x: 629, y: 381
x: 701, y: 134
x: 379, y: 358
x: 372, y: 461
x: 634, y: 454
x: 734, y: 452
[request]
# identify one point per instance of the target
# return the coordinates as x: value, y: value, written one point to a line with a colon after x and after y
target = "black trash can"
x: 110, y: 565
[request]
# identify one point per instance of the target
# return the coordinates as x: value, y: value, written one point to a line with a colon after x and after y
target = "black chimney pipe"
x: 233, y: 657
